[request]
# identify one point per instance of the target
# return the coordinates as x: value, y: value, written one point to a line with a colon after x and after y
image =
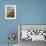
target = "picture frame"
x: 36, y: 32
x: 10, y: 11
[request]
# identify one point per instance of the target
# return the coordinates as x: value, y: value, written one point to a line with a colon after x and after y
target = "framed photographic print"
x: 10, y: 11
x: 33, y: 32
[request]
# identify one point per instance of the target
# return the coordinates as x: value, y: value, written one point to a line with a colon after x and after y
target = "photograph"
x: 10, y: 11
x: 30, y: 33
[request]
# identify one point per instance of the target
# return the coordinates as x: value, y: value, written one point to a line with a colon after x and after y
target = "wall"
x: 6, y: 26
x: 31, y: 11
x: 28, y: 12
